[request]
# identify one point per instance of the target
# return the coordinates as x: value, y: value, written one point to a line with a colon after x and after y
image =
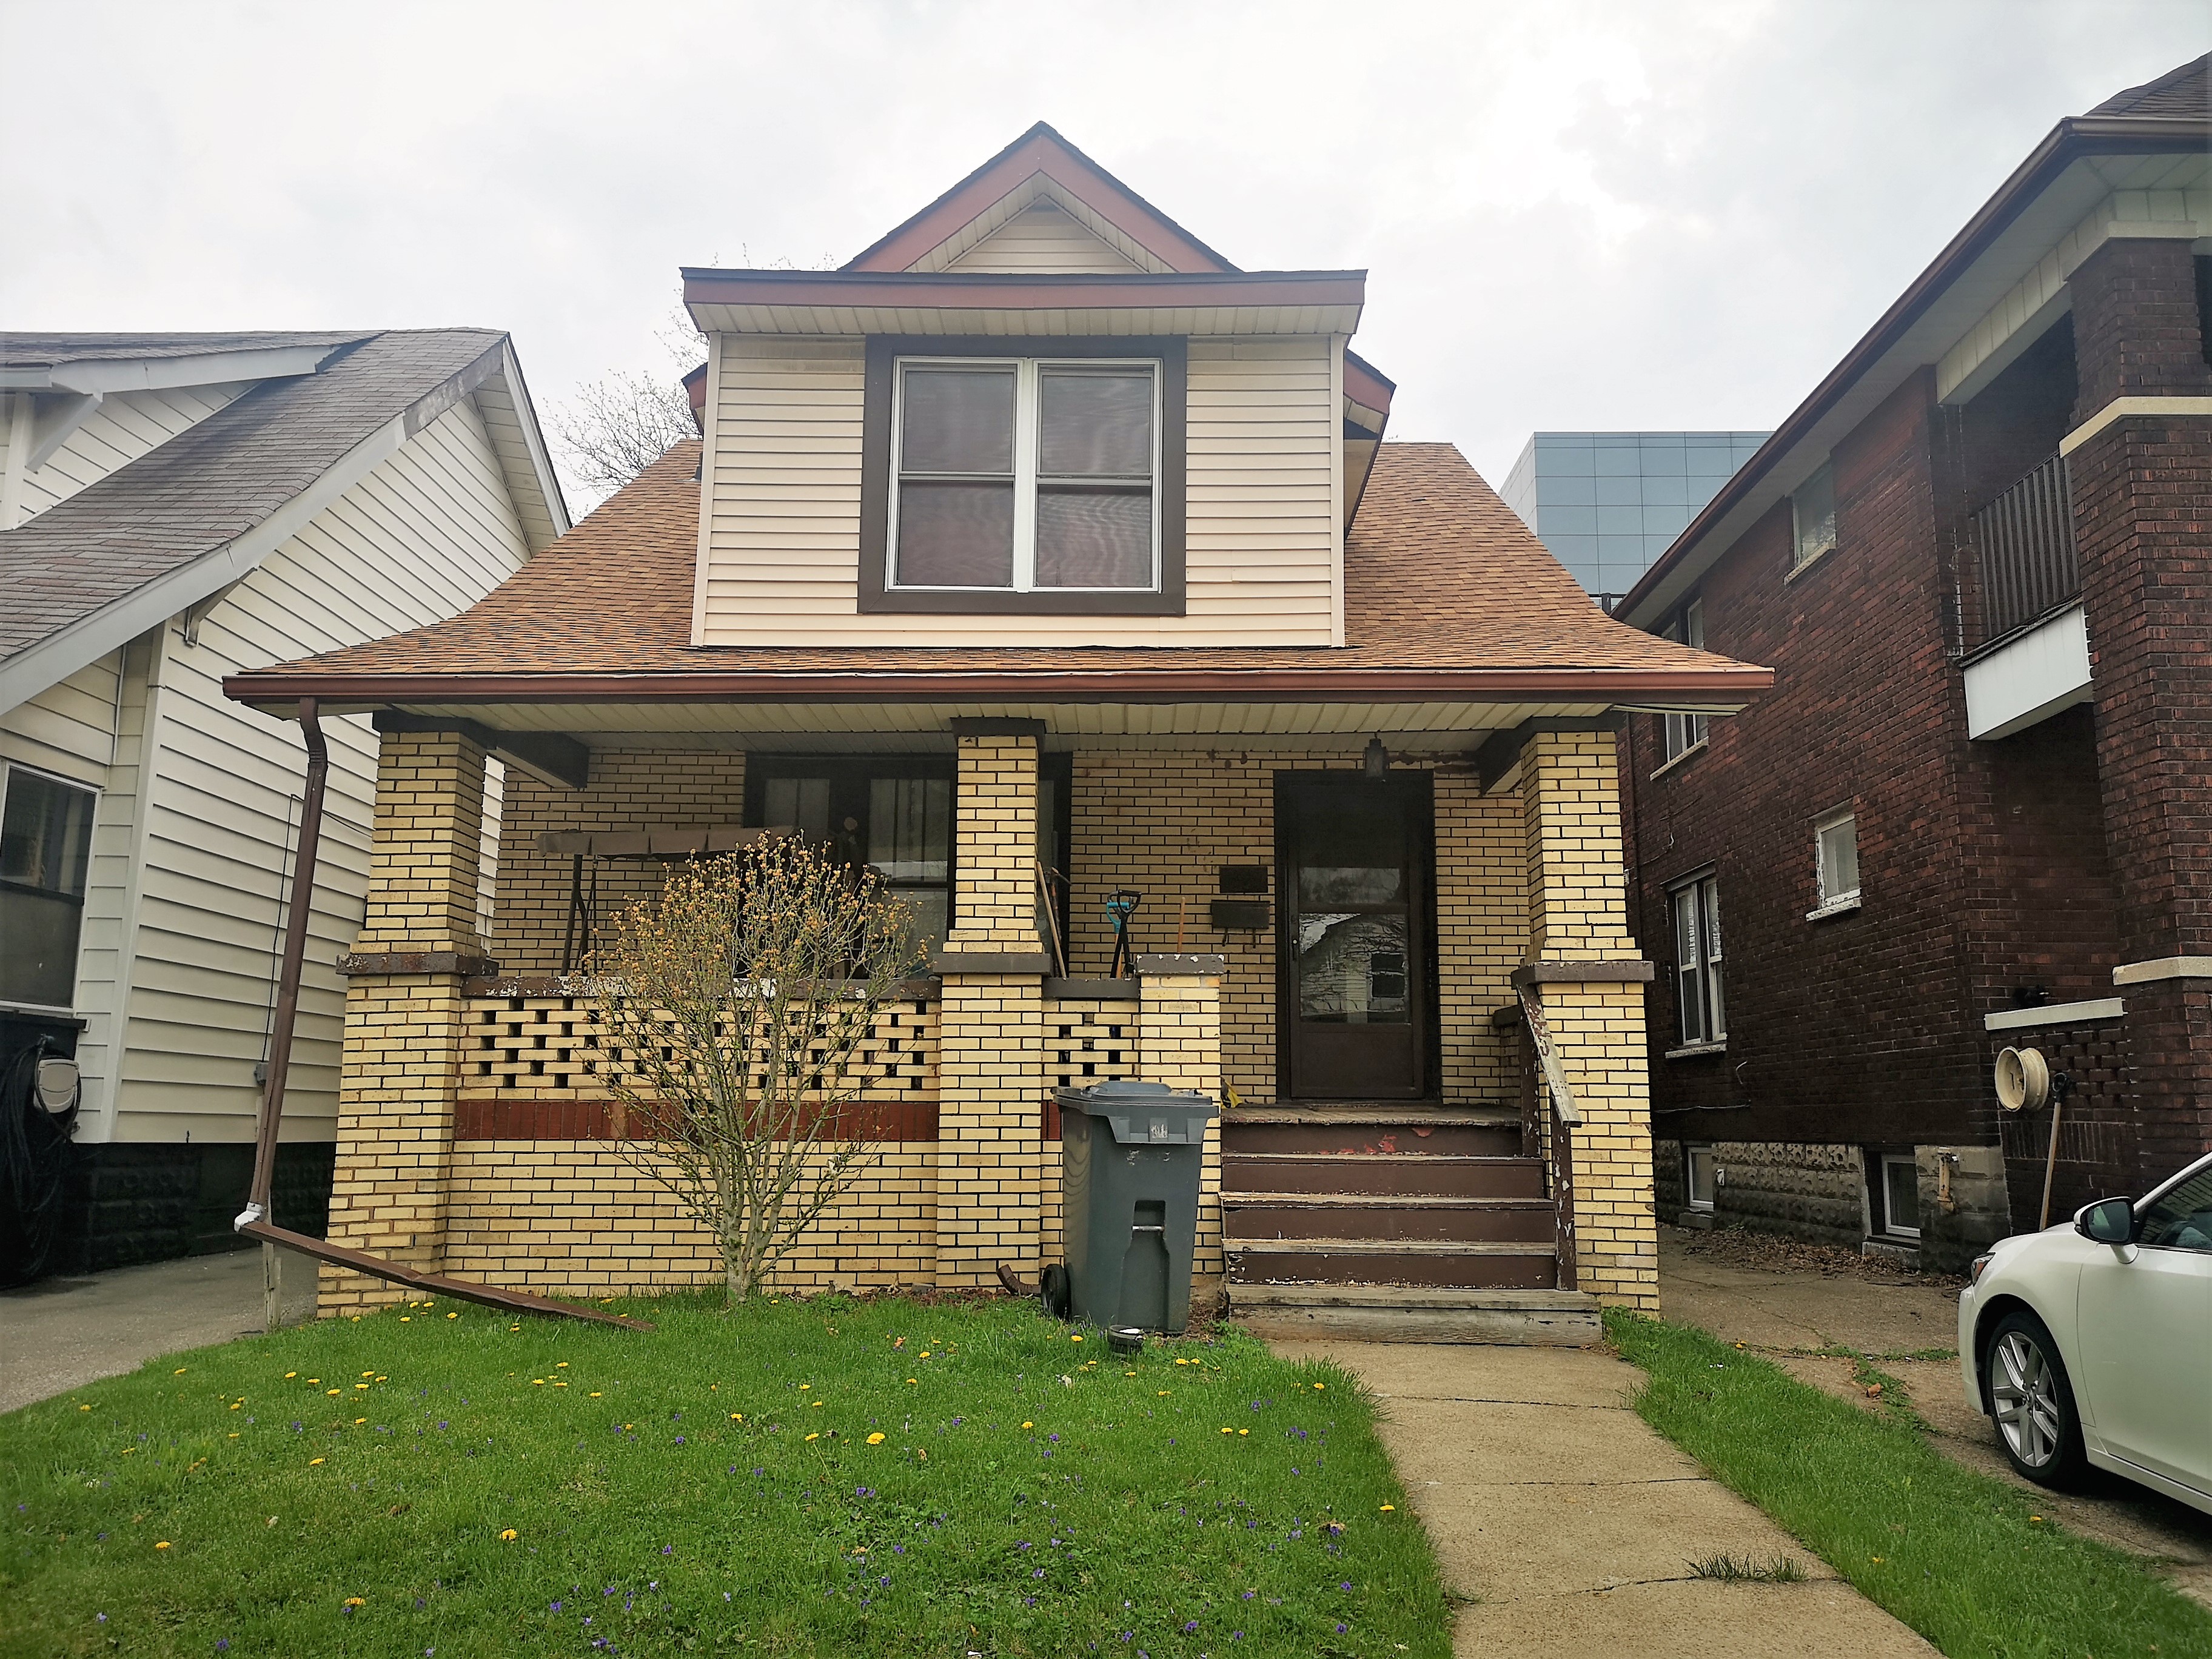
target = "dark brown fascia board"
x: 965, y: 291
x: 1034, y: 152
x: 2076, y: 138
x: 278, y: 689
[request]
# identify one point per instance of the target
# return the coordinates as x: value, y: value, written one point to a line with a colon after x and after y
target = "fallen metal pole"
x: 253, y: 1222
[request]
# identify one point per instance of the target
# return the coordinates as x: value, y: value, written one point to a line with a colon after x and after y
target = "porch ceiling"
x: 1426, y: 727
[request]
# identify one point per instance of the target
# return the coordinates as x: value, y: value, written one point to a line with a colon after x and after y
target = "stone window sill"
x: 1841, y: 907
x: 1691, y: 753
x: 1691, y: 1050
x: 1797, y: 570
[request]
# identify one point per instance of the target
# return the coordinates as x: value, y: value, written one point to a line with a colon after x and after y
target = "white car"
x: 2092, y: 1342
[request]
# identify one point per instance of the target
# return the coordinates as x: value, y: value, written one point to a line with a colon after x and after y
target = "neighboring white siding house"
x: 413, y: 482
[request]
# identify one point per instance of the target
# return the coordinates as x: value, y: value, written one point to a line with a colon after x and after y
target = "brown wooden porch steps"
x: 1392, y: 1221
x: 1399, y: 1313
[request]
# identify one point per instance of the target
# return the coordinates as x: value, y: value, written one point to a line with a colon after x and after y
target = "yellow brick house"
x: 1039, y: 554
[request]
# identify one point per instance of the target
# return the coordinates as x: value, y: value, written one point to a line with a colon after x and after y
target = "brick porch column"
x: 1590, y: 980
x: 990, y: 1065
x: 2139, y: 467
x: 1179, y: 1043
x: 400, y: 1064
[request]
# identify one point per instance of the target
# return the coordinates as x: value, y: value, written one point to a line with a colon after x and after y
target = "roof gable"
x: 1044, y: 238
x: 1040, y: 164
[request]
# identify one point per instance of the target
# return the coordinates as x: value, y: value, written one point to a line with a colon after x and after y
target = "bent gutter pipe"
x: 252, y: 1222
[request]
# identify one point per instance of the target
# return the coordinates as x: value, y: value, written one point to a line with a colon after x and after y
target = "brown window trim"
x: 875, y: 594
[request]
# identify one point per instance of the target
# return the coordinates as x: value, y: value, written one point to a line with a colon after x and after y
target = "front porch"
x: 1383, y: 1153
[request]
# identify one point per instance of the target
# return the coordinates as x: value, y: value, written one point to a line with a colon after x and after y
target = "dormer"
x: 1038, y: 411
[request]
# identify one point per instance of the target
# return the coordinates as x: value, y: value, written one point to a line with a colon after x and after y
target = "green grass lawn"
x: 1966, y: 1560
x: 837, y: 1477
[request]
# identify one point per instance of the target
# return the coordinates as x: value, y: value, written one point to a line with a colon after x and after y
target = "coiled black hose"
x: 35, y: 1151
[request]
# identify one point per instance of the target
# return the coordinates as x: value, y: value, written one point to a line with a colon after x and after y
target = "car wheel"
x: 2031, y: 1399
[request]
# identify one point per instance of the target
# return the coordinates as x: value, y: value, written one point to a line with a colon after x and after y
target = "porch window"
x: 999, y: 482
x: 1699, y: 1006
x: 46, y: 856
x: 892, y: 814
x: 1683, y: 732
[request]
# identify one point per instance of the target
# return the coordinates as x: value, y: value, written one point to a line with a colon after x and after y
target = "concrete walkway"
x: 61, y: 1334
x: 1786, y: 1314
x: 1570, y: 1524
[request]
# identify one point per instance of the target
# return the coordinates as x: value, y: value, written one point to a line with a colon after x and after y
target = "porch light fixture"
x: 1375, y: 762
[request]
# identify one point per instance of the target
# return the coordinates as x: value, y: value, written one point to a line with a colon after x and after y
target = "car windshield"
x: 2182, y: 1219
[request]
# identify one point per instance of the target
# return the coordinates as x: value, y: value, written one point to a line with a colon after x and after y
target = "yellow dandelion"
x: 233, y: 1434
x: 1162, y: 1394
x: 595, y: 1394
x: 560, y: 1384
x: 87, y: 1408
x: 508, y: 1536
x: 1387, y: 1508
x: 813, y: 1437
x: 312, y: 1461
x: 1877, y: 1560
x: 1243, y: 1430
x: 1229, y: 1431
x: 314, y: 1379
x: 875, y: 1440
x: 356, y: 1601
x: 2035, y: 1517
x: 452, y: 1316
x: 560, y: 1364
x: 334, y: 1393
x: 163, y: 1545
x: 358, y: 1421
x: 290, y: 1375
x: 233, y: 1408
x: 924, y: 1353
x: 383, y: 1379
x: 369, y: 1373
x: 1029, y: 1425
x: 737, y: 1417
x: 806, y: 1385
x: 1321, y: 1385
x: 1075, y: 1338
x: 179, y: 1371
x: 536, y: 1382
x: 911, y: 1379
x: 407, y: 1319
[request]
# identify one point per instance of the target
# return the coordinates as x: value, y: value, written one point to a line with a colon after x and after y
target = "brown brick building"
x: 1037, y: 554
x: 1976, y: 810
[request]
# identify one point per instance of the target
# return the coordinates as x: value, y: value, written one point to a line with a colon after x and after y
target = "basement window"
x: 46, y: 856
x: 1894, y: 1194
x: 1700, y: 1170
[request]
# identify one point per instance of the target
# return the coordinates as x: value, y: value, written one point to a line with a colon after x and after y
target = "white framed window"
x: 1813, y: 516
x: 1700, y: 1007
x: 1025, y: 475
x: 1895, y: 1200
x: 1836, y: 860
x: 1682, y: 733
x: 1700, y: 1173
x: 45, y: 859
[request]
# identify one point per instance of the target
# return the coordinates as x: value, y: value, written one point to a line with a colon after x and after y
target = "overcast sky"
x: 1638, y: 213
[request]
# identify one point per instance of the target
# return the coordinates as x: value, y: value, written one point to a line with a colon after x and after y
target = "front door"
x: 1353, y: 996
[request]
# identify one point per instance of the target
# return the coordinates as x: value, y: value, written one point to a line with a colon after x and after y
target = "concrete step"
x: 1407, y: 1174
x: 1516, y: 1265
x: 1387, y: 1216
x: 1370, y: 1130
x: 1397, y: 1313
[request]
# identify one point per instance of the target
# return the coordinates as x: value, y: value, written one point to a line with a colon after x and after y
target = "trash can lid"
x: 1120, y: 1094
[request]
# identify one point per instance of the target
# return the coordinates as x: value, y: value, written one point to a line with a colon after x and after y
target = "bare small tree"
x: 616, y: 428
x: 737, y: 1008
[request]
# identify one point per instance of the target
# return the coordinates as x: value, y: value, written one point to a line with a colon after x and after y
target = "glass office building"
x: 1608, y: 504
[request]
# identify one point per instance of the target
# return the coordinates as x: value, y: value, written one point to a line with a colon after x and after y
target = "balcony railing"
x: 2027, y: 559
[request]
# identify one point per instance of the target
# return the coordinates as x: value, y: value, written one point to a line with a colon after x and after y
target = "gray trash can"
x: 1130, y: 1156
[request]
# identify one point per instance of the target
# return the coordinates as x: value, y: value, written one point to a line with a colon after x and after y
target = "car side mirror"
x: 2111, y: 1221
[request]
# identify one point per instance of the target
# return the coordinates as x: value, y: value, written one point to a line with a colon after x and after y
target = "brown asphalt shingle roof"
x: 215, y: 481
x: 1439, y: 572
x: 2181, y: 93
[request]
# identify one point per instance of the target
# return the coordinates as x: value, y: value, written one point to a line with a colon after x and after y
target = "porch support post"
x: 400, y: 1063
x: 1578, y: 913
x: 990, y: 1116
x: 1179, y: 1043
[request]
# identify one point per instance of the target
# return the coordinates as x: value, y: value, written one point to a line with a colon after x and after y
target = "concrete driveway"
x: 1571, y: 1525
x: 61, y: 1334
x: 1789, y: 1313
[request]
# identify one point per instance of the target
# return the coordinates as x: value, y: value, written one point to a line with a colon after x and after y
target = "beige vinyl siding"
x: 1262, y: 539
x: 1042, y: 240
x: 426, y: 534
x: 69, y: 728
x: 126, y: 425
